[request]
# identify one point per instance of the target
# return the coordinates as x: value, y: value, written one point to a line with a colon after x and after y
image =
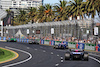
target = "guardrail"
x: 85, y: 46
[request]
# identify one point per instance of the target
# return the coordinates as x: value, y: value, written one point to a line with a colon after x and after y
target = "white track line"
x: 94, y: 55
x: 94, y: 59
x: 20, y: 61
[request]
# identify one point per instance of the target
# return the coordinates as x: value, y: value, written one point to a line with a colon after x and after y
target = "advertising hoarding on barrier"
x: 24, y: 40
x: 20, y: 40
x: 95, y: 30
x: 0, y: 38
x: 17, y: 40
x: 52, y: 30
x: 65, y: 42
x: 38, y: 40
x: 4, y: 38
x: 72, y: 44
x: 90, y: 47
x: 98, y: 47
x: 27, y: 40
x: 81, y: 45
x: 57, y: 42
x: 46, y: 42
x: 52, y: 42
x: 42, y: 41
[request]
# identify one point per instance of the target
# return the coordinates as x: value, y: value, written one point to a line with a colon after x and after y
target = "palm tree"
x: 60, y: 10
x: 41, y: 14
x: 49, y: 13
x: 76, y: 8
x: 32, y: 14
x: 92, y: 6
x: 22, y: 16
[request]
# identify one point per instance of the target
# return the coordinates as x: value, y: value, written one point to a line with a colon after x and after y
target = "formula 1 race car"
x: 61, y: 46
x: 76, y: 54
x: 33, y: 41
x: 12, y: 40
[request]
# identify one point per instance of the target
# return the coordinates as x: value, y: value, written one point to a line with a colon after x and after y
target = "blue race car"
x: 76, y: 54
x: 61, y: 46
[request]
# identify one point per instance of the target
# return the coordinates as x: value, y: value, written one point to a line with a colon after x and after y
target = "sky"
x: 52, y: 1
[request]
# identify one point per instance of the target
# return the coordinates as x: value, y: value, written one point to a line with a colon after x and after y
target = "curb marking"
x: 20, y: 61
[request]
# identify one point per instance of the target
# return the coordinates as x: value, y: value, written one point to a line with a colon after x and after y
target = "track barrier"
x: 85, y: 46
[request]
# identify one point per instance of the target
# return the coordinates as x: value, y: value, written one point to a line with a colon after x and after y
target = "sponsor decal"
x: 89, y: 47
x: 42, y: 41
x: 52, y: 42
x: 72, y: 45
x: 46, y: 42
x: 98, y: 47
x: 81, y: 45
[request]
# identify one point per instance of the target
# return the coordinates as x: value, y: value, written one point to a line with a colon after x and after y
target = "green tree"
x: 60, y: 10
x: 32, y: 14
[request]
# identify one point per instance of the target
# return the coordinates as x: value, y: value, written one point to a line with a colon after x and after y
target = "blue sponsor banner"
x: 17, y: 40
x: 20, y: 40
x: 52, y: 42
x: 42, y: 41
x: 24, y: 40
x: 0, y: 38
x: 4, y: 38
x: 98, y: 47
x: 81, y: 45
x: 64, y: 42
x: 27, y: 40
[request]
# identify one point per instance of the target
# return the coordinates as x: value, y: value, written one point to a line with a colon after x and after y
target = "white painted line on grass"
x: 20, y: 61
x: 94, y: 59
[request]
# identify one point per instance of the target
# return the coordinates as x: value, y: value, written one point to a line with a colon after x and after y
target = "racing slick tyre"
x: 30, y: 43
x: 67, y: 56
x: 85, y: 56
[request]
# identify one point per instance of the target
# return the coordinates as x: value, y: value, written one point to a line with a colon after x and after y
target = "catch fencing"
x: 81, y: 29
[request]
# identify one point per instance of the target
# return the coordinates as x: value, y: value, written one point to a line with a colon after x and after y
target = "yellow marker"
x: 17, y: 55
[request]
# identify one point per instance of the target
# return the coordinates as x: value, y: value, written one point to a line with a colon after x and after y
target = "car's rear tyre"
x: 67, y: 56
x: 86, y: 57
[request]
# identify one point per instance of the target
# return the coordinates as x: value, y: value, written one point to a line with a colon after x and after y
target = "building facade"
x: 13, y: 4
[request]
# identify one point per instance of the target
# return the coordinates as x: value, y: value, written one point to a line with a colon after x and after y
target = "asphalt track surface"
x: 44, y: 56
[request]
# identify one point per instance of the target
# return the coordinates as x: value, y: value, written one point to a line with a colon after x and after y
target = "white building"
x: 9, y: 4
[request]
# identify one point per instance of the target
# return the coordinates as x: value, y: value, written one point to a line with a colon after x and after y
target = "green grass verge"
x: 5, y: 55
